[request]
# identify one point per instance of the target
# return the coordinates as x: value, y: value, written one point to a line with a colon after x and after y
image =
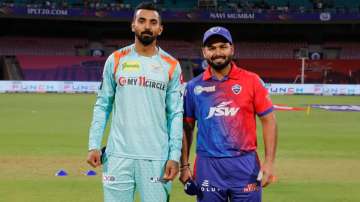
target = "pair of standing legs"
x: 123, y: 176
x: 228, y: 179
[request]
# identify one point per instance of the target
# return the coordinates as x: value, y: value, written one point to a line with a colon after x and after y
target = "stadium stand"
x: 187, y: 5
x: 181, y: 49
x: 182, y: 5
x: 279, y: 50
x: 62, y: 68
x: 288, y: 70
x: 260, y: 47
x: 348, y: 50
x: 39, y: 46
x: 61, y: 58
x: 11, y: 68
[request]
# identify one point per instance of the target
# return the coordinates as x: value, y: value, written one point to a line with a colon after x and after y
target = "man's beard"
x: 146, y: 39
x: 220, y: 66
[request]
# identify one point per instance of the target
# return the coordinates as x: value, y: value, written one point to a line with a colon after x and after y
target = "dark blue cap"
x: 191, y: 188
x: 220, y: 31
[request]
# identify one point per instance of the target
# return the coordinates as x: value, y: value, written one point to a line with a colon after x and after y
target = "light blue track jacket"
x: 144, y: 96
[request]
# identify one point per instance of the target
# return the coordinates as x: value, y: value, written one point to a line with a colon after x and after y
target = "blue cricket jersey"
x: 226, y: 111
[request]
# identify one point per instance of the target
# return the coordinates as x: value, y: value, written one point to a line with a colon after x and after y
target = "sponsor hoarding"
x: 92, y: 87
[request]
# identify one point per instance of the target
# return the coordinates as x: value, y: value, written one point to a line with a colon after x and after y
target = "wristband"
x: 185, y: 165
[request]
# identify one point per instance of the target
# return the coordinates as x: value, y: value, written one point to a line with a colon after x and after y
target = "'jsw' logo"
x: 223, y: 110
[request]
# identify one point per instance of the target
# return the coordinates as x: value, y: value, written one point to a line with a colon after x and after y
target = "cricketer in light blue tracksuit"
x: 144, y: 95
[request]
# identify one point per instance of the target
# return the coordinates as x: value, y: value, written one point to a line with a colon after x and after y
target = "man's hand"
x: 171, y: 170
x: 185, y: 174
x: 267, y: 174
x: 270, y: 141
x: 94, y: 158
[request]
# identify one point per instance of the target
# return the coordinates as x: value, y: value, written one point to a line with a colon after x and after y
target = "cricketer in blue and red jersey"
x: 224, y: 100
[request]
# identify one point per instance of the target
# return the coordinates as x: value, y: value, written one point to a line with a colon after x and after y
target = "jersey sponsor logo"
x: 222, y: 110
x: 199, y: 89
x: 157, y: 180
x: 205, y: 183
x: 131, y: 66
x: 108, y: 178
x: 236, y: 89
x: 206, y: 187
x: 141, y: 81
x: 156, y: 68
x: 251, y: 187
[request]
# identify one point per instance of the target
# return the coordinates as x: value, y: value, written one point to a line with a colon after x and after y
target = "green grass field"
x: 318, y: 154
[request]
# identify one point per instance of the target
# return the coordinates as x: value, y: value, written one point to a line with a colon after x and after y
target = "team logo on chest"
x: 236, y: 89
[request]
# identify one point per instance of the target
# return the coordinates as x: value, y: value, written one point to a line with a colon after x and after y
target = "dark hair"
x: 147, y: 6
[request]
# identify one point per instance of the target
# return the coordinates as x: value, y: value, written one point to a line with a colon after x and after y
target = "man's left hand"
x: 171, y: 170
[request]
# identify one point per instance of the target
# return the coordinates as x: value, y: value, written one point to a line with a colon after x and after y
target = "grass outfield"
x: 318, y: 155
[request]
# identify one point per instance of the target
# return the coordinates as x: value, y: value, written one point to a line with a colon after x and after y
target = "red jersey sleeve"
x: 262, y: 102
